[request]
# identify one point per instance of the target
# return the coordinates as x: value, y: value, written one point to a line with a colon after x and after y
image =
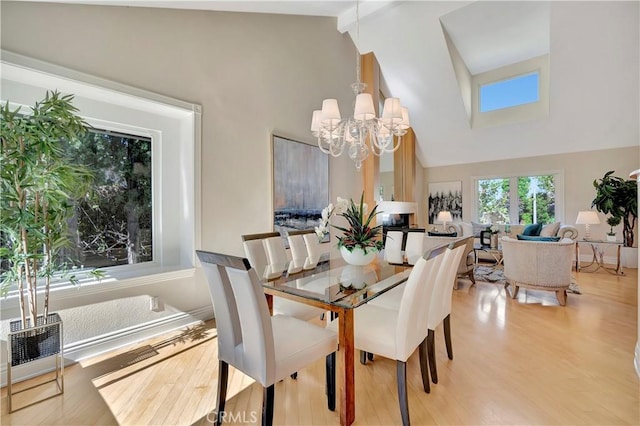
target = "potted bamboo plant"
x: 39, y: 189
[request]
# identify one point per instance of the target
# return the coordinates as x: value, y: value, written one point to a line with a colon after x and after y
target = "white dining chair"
x: 414, y: 247
x: 396, y: 334
x: 277, y: 259
x: 440, y: 306
x: 314, y: 250
x: 393, y: 247
x: 298, y: 252
x: 255, y: 251
x: 265, y: 348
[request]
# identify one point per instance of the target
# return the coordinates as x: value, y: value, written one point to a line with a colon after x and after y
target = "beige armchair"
x: 538, y: 265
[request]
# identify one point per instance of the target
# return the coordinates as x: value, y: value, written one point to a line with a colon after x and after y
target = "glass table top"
x: 336, y: 283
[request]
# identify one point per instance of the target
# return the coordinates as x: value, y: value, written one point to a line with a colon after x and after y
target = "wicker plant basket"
x: 33, y: 343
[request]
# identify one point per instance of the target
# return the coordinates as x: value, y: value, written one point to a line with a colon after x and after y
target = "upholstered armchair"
x: 539, y: 265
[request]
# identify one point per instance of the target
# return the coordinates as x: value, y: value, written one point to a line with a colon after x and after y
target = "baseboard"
x: 80, y: 350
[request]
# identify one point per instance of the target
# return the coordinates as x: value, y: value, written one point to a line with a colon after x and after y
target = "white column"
x: 636, y: 175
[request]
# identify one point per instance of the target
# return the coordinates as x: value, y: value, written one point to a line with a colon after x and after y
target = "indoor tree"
x: 39, y: 191
x: 618, y: 197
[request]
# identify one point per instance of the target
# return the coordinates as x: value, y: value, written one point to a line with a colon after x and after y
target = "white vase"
x: 357, y: 256
x: 357, y: 277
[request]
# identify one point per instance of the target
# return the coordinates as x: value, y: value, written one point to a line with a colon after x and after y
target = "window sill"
x: 114, y: 280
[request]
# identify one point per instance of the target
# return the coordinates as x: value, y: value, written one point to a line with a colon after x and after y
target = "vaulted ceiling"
x: 408, y: 40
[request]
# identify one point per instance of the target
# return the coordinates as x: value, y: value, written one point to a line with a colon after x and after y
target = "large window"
x: 536, y: 197
x: 114, y: 224
x: 139, y: 226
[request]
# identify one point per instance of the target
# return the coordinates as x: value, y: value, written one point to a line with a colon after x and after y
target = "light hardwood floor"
x: 524, y: 361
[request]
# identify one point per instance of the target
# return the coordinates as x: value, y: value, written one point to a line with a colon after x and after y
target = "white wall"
x: 252, y: 74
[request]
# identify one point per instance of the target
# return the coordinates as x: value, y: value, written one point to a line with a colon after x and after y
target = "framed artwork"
x: 300, y: 184
x: 445, y: 196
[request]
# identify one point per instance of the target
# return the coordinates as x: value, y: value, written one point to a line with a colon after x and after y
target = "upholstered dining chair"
x: 414, y: 247
x: 263, y: 347
x: 256, y: 254
x: 314, y: 251
x: 467, y: 263
x: 298, y: 251
x: 277, y: 259
x: 396, y: 334
x: 440, y: 304
x: 393, y: 247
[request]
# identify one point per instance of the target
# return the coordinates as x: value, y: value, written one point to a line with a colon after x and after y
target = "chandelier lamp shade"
x: 587, y: 218
x: 384, y: 133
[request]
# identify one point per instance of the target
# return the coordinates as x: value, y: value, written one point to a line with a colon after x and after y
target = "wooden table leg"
x: 346, y: 379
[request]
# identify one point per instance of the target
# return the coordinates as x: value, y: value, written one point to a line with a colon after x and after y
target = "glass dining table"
x: 340, y: 288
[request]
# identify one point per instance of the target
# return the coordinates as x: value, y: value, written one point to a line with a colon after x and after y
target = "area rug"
x: 496, y: 276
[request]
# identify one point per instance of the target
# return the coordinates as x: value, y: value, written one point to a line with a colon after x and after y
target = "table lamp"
x: 587, y: 218
x: 444, y: 217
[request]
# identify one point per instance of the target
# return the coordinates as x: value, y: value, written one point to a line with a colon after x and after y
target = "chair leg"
x: 561, y: 295
x: 330, y: 365
x: 401, y: 371
x: 424, y: 367
x: 447, y: 335
x: 223, y: 376
x: 363, y: 357
x: 431, y: 352
x: 267, y: 406
x: 515, y: 290
x: 294, y: 376
x: 472, y: 278
x: 370, y: 356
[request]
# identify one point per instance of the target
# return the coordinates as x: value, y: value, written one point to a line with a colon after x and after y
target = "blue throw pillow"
x: 536, y: 238
x: 532, y: 230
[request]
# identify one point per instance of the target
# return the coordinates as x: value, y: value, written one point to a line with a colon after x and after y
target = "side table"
x: 599, y: 247
x: 496, y: 253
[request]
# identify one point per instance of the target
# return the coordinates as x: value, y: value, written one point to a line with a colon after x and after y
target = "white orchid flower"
x: 342, y: 205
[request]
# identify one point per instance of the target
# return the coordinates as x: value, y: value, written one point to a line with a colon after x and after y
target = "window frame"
x: 175, y: 129
x: 513, y: 192
x: 518, y: 113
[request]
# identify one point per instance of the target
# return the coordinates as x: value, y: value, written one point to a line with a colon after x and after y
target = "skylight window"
x: 520, y: 90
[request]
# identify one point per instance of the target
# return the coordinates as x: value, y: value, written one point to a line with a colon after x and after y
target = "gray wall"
x: 253, y: 74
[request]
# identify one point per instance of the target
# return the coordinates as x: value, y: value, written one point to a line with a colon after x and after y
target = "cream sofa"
x: 466, y: 228
x: 538, y: 265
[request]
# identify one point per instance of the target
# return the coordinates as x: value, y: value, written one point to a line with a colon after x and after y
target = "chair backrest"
x: 393, y: 247
x: 277, y: 259
x: 411, y: 328
x: 440, y: 301
x: 314, y: 251
x: 298, y: 251
x: 414, y: 248
x: 255, y: 251
x: 245, y: 334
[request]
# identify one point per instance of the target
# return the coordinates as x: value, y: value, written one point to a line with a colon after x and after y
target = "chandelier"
x: 335, y: 133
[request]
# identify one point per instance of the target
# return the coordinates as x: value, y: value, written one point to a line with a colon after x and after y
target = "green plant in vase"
x: 613, y: 221
x: 360, y: 234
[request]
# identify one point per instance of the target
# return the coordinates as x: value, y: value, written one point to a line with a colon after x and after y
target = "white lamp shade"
x: 315, y: 121
x: 330, y: 112
x: 444, y: 216
x: 405, y: 124
x: 588, y: 218
x: 392, y: 111
x: 364, y: 109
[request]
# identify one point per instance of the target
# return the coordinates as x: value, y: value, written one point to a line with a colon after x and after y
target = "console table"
x: 599, y: 247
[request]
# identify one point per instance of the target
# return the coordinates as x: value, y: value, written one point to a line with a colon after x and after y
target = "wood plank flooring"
x: 523, y: 361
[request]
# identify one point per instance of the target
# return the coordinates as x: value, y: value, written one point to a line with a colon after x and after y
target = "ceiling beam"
x: 347, y: 19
